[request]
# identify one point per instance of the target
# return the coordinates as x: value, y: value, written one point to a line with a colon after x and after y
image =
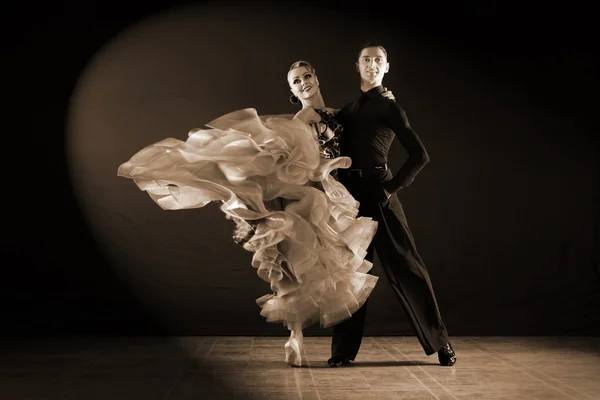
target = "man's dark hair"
x: 372, y: 44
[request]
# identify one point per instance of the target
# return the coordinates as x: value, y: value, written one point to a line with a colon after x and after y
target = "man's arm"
x: 417, y: 155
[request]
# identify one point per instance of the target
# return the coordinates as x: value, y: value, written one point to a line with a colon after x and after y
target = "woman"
x: 274, y: 178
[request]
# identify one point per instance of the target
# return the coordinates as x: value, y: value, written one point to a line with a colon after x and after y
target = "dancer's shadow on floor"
x: 369, y: 364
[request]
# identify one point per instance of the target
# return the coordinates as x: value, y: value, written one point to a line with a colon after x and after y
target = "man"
x: 370, y: 125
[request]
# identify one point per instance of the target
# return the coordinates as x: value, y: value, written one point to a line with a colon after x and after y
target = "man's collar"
x: 375, y: 92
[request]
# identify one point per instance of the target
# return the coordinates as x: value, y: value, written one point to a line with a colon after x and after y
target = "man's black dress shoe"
x: 338, y: 361
x: 447, y: 356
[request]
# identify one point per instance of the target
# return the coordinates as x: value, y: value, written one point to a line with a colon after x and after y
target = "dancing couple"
x: 312, y: 198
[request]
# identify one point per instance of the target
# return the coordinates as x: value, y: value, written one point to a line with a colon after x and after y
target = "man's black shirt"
x: 370, y: 125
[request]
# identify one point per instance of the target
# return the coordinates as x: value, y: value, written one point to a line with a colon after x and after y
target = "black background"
x: 521, y: 122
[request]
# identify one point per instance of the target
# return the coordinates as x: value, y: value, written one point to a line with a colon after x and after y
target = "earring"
x: 294, y: 99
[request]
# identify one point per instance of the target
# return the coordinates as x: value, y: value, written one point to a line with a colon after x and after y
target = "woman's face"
x: 303, y: 83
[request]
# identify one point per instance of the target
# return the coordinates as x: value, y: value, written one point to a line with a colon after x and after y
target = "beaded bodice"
x: 329, y: 148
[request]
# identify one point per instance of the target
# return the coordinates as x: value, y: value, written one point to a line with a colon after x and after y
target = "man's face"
x: 303, y: 83
x: 372, y: 65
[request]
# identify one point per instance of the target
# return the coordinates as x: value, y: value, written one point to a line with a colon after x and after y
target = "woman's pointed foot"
x: 293, y: 353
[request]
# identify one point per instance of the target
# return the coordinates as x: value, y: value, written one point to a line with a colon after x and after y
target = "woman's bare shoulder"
x: 308, y: 115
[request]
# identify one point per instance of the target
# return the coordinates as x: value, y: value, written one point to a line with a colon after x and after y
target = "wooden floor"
x: 488, y: 368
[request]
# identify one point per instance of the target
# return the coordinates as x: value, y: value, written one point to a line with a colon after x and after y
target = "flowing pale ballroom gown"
x: 271, y: 176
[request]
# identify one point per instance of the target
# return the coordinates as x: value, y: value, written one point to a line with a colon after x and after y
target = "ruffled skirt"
x: 310, y: 248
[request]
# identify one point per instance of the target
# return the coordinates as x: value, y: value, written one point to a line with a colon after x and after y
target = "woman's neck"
x: 315, y: 101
